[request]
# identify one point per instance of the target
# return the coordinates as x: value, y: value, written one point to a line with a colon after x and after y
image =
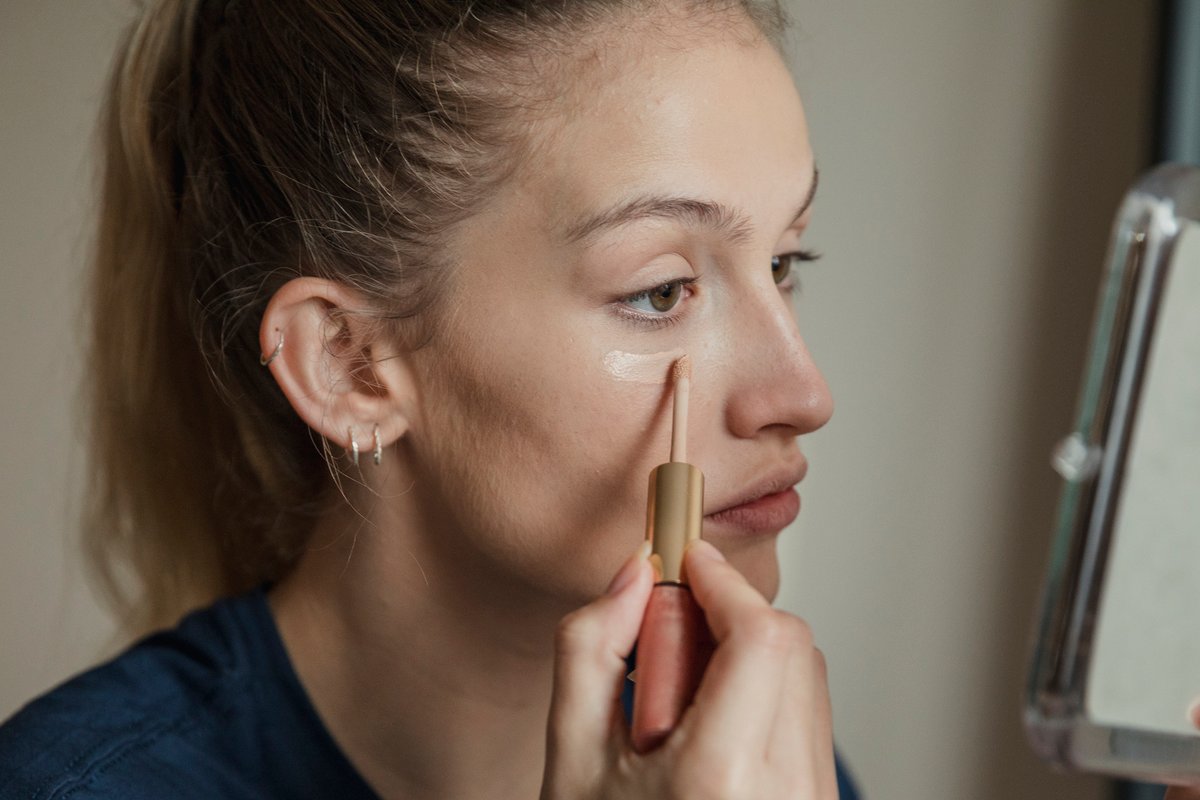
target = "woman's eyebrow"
x: 689, y: 211
x: 808, y: 198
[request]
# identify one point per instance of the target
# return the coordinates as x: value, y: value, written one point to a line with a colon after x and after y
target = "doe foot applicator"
x: 674, y: 644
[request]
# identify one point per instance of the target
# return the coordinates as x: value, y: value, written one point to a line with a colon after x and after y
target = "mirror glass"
x: 1145, y: 665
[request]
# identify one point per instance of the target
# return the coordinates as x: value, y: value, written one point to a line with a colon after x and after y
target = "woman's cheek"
x: 760, y: 566
x: 645, y: 369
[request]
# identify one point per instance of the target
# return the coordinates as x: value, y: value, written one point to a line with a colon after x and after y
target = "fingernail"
x: 1194, y: 714
x: 629, y: 570
x: 705, y: 549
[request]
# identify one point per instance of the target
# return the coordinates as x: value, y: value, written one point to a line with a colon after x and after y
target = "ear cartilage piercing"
x: 378, y: 452
x: 265, y: 360
x: 353, y: 446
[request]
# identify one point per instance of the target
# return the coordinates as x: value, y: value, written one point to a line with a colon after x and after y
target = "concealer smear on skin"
x: 641, y: 367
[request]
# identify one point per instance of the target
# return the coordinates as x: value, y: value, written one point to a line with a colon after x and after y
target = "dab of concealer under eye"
x: 641, y: 367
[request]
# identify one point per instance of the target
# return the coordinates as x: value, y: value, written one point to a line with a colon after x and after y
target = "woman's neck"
x: 430, y: 671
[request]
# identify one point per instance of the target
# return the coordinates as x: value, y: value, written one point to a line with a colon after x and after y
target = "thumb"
x: 591, y: 646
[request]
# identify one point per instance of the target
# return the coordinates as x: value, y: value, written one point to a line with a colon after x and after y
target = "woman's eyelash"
x: 799, y: 255
x: 661, y: 320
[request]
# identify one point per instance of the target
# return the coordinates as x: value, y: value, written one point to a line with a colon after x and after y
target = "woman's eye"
x: 652, y: 305
x: 782, y: 265
x: 665, y: 297
x: 660, y: 299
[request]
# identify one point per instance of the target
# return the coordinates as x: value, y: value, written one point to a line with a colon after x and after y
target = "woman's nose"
x: 773, y: 379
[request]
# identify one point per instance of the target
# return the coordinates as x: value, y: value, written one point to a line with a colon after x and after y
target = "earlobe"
x: 325, y: 354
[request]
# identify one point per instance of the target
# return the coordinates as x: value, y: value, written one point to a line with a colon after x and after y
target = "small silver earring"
x: 353, y: 446
x: 265, y: 360
x: 378, y: 453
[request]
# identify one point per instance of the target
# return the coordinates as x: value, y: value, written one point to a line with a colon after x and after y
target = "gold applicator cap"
x: 675, y: 507
x: 673, y: 516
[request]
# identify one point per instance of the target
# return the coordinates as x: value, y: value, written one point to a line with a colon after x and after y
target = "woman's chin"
x: 759, y: 563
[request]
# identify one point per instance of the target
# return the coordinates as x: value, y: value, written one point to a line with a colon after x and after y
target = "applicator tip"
x: 682, y: 369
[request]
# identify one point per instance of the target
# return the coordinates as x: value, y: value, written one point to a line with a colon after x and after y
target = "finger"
x: 790, y: 750
x: 723, y: 592
x: 800, y: 752
x: 741, y: 687
x: 591, y: 646
x: 824, y: 760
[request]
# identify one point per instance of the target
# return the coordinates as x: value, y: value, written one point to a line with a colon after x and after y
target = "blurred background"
x: 972, y: 156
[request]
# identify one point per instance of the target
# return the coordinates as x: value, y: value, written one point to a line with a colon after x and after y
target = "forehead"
x: 713, y: 114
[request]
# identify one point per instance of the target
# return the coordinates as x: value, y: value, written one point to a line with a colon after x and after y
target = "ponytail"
x: 169, y: 481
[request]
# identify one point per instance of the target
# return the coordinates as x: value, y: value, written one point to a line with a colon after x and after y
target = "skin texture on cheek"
x: 539, y: 458
x: 641, y: 367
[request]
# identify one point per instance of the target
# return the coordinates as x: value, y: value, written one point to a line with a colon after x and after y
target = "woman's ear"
x: 336, y: 369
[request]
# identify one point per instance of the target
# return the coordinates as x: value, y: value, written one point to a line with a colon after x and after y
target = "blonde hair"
x: 243, y: 144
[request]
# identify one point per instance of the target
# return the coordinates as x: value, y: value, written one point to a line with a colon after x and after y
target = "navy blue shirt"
x: 210, y: 709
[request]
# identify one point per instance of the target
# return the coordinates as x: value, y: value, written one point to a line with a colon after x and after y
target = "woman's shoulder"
x: 144, y: 723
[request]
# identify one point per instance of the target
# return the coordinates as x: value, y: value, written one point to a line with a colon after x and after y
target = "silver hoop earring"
x: 353, y: 446
x: 265, y: 360
x: 378, y: 453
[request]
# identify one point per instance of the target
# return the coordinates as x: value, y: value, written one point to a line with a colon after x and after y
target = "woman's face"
x: 642, y: 228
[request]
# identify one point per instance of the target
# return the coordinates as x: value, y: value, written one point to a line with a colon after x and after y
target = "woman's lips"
x: 769, y: 513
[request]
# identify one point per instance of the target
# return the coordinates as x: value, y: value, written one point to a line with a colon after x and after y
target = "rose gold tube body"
x: 673, y: 650
x: 674, y: 644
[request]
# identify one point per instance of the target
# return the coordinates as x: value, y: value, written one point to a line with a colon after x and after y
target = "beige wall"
x: 972, y: 157
x: 972, y: 154
x: 52, y: 57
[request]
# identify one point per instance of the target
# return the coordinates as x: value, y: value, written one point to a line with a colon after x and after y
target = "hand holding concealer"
x: 761, y: 714
x: 714, y: 658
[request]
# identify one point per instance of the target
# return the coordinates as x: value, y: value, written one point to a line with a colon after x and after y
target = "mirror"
x: 1116, y: 659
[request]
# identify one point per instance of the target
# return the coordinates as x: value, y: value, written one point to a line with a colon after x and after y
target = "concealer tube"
x: 674, y: 643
